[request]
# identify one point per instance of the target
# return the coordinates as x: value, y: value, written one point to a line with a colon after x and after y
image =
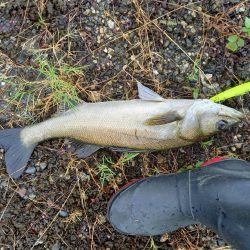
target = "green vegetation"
x: 194, y: 75
x: 127, y: 157
x: 54, y: 86
x: 205, y: 144
x: 246, y: 28
x: 235, y: 42
x: 153, y: 245
x: 195, y: 93
x: 104, y: 171
x: 41, y: 21
x: 190, y: 167
x: 62, y: 91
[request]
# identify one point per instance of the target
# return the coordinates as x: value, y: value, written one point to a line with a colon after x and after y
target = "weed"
x: 236, y: 42
x: 104, y: 171
x: 156, y: 171
x: 41, y: 21
x: 153, y: 246
x: 41, y: 5
x: 194, y: 75
x: 53, y: 88
x: 205, y: 144
x: 61, y: 90
x: 231, y: 155
x: 127, y: 157
x: 195, y: 93
x: 246, y: 28
x: 198, y: 164
x: 74, y: 217
x: 186, y: 168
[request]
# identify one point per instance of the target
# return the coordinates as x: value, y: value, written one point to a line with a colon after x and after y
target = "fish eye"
x: 222, y: 124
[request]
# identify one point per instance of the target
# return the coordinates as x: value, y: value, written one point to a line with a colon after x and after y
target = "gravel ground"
x: 176, y: 48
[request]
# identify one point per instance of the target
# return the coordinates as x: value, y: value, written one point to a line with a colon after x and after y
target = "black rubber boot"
x: 217, y: 196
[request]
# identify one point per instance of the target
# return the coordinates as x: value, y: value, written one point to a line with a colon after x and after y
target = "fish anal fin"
x: 147, y: 94
x: 128, y: 150
x: 86, y: 150
x: 163, y: 118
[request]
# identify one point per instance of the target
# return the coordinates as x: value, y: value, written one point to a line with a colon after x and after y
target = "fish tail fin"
x: 17, y: 153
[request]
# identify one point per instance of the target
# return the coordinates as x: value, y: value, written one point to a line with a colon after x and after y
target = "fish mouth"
x: 232, y: 116
x: 231, y: 113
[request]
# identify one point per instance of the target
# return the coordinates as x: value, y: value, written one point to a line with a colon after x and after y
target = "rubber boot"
x: 217, y: 196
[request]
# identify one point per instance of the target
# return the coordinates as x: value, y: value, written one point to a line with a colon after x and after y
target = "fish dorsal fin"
x: 148, y: 94
x: 163, y: 118
x: 63, y: 108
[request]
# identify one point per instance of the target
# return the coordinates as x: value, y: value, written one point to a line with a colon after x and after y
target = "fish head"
x: 218, y: 117
x: 205, y: 118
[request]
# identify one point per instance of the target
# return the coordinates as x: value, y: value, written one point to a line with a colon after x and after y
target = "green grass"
x: 62, y: 90
x: 126, y: 157
x: 54, y: 86
x: 194, y: 75
x: 104, y: 171
x: 41, y: 21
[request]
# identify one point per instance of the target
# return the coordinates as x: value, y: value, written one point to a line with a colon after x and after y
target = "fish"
x: 148, y: 123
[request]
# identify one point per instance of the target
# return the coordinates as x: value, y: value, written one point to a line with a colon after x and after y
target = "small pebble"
x: 241, y: 9
x: 87, y: 12
x: 3, y: 184
x: 63, y: 213
x: 42, y: 165
x: 164, y: 237
x: 56, y: 246
x: 155, y: 72
x: 22, y: 192
x: 238, y: 145
x: 111, y: 24
x: 32, y: 196
x: 246, y: 148
x: 233, y: 149
x: 30, y: 170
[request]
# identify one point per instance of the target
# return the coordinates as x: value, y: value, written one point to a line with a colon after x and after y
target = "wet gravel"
x: 60, y: 202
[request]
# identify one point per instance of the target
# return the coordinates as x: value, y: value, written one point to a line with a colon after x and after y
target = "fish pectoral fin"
x: 163, y: 118
x: 86, y: 150
x: 148, y: 94
x: 129, y: 150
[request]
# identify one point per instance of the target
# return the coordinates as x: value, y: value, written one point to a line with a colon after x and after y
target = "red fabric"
x: 216, y: 159
x: 130, y: 183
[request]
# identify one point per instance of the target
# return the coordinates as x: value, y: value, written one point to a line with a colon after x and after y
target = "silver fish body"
x: 148, y: 123
x: 116, y: 123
